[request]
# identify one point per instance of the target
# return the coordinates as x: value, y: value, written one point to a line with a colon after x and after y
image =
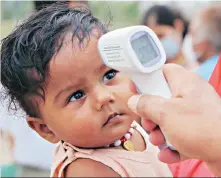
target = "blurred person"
x: 33, y: 158
x: 170, y: 27
x: 7, y: 161
x: 205, y: 30
x: 7, y: 147
x: 191, y: 62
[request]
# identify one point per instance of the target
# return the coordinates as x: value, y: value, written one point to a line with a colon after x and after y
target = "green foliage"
x: 121, y: 13
x: 15, y: 9
x: 118, y: 13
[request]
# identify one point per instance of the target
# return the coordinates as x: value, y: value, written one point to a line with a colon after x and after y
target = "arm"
x: 191, y: 120
x: 89, y: 168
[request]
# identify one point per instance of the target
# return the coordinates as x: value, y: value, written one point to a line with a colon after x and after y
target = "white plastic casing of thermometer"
x: 137, y: 52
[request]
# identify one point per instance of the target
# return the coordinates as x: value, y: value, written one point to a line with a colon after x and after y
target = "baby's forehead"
x: 74, y: 62
x: 70, y: 44
x: 73, y: 51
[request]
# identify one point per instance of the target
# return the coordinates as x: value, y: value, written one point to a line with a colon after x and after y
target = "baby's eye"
x: 76, y: 96
x: 109, y: 75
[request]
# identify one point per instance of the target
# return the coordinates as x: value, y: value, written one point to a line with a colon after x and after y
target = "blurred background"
x: 124, y: 13
x: 190, y: 32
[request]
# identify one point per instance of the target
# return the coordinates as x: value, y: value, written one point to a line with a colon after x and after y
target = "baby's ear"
x: 42, y: 129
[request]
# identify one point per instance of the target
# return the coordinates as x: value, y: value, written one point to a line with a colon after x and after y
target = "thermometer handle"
x: 153, y: 83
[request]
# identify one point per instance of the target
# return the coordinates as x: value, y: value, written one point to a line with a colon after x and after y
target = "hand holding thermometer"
x: 137, y: 52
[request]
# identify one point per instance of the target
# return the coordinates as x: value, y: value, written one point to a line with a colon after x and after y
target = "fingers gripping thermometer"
x: 137, y: 52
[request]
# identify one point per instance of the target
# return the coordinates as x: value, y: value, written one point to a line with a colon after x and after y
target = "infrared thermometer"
x: 137, y: 52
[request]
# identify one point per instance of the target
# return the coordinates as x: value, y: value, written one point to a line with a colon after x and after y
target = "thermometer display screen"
x: 144, y: 48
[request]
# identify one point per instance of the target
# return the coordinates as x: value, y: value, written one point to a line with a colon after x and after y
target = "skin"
x: 201, y: 44
x: 91, y: 93
x: 190, y: 120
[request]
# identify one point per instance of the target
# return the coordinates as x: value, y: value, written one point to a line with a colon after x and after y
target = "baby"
x: 51, y: 67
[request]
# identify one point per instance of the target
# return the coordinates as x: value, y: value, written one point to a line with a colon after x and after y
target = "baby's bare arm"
x: 89, y: 168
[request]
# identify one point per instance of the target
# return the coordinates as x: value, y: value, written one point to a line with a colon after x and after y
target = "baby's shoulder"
x: 88, y: 168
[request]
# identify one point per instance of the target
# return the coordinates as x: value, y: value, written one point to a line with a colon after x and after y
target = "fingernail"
x: 133, y: 101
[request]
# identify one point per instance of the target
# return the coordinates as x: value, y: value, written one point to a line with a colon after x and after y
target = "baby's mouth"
x: 112, y: 116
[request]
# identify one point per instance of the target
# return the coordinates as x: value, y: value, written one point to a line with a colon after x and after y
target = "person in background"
x: 205, y: 30
x: 170, y: 27
x: 7, y: 166
x: 28, y: 160
x: 189, y: 55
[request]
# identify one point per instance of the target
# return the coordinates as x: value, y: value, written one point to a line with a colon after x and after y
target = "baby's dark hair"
x: 26, y: 52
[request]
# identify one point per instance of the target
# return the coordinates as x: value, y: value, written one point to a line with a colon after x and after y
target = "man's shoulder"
x: 205, y: 70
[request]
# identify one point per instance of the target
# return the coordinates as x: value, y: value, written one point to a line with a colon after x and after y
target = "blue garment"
x: 205, y: 70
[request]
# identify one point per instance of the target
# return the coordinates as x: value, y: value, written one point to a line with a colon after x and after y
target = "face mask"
x: 171, y: 46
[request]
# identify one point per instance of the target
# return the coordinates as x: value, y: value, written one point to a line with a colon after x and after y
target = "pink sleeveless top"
x: 125, y: 163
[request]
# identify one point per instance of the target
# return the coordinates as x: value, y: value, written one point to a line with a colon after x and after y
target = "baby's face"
x: 81, y: 96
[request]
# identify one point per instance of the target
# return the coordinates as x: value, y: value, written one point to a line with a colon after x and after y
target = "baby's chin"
x: 94, y: 143
x: 121, y: 130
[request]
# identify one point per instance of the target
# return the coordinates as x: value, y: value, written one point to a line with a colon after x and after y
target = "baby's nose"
x: 103, y: 97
